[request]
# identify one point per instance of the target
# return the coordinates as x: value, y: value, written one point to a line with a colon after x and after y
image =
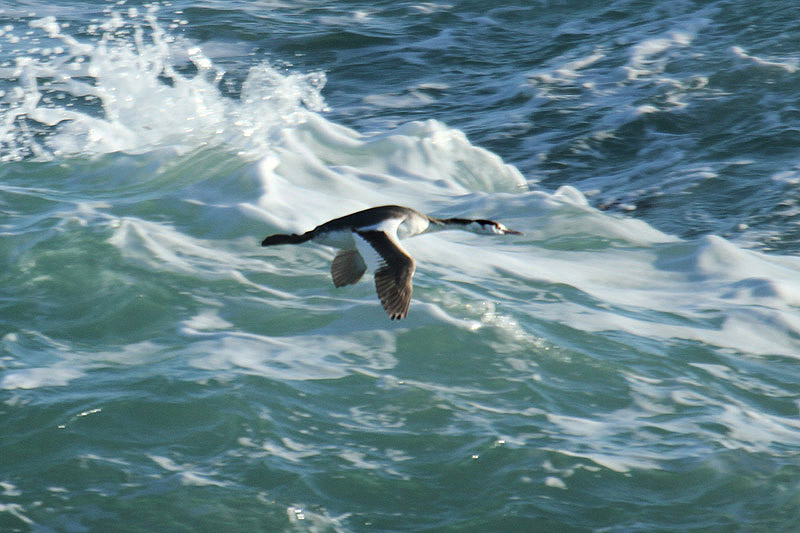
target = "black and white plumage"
x: 371, y: 238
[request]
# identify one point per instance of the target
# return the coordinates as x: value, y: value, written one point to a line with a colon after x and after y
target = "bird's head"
x: 490, y: 227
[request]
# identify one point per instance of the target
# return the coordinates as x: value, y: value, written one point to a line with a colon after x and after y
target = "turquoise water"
x: 629, y: 364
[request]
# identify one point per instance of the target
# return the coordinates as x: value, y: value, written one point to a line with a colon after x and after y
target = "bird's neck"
x: 441, y: 224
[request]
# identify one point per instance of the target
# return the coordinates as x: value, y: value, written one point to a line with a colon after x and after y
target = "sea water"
x: 629, y: 364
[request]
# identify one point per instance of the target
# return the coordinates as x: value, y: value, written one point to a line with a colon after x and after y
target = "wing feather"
x: 347, y: 268
x: 394, y: 273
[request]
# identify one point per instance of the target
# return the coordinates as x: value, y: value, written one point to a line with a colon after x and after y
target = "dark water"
x: 629, y: 364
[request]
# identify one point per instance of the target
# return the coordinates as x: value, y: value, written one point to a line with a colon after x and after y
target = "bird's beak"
x: 512, y: 232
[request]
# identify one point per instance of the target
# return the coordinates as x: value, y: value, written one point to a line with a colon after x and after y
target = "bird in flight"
x: 372, y: 238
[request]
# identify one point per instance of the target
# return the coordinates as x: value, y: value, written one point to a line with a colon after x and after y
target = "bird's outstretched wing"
x: 347, y: 268
x: 394, y: 272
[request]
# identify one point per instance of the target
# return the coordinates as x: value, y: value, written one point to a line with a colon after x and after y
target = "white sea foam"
x: 18, y: 511
x: 123, y: 92
x: 299, y: 357
x: 789, y: 65
x: 9, y: 489
x: 287, y: 449
x: 319, y: 520
x: 187, y: 473
x: 32, y: 378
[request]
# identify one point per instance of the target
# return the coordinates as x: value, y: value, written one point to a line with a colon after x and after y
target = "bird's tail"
x: 284, y: 238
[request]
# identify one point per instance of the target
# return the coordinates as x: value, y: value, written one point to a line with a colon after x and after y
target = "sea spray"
x: 131, y: 86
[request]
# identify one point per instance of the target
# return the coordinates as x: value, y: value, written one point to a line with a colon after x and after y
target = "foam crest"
x: 419, y: 164
x: 738, y: 299
x: 132, y: 87
x: 739, y: 275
